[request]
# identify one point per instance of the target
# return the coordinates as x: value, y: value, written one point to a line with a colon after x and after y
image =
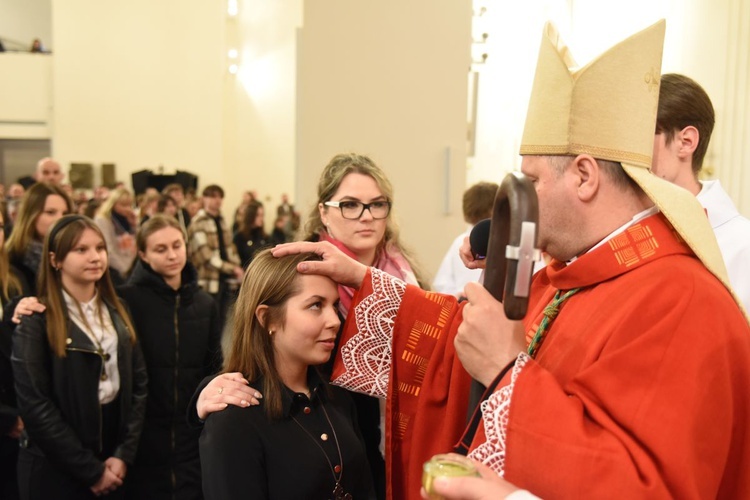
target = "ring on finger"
x: 221, y: 389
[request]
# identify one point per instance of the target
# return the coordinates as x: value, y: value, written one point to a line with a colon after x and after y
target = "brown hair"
x: 682, y: 103
x: 24, y: 229
x: 171, y: 188
x: 212, y: 190
x: 333, y: 174
x: 478, y: 201
x: 164, y: 200
x: 247, y: 224
x: 155, y: 223
x: 272, y: 282
x: 65, y: 235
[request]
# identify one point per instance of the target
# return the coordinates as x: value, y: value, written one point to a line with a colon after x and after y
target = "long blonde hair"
x: 106, y: 209
x: 65, y: 234
x: 333, y: 174
x: 272, y: 282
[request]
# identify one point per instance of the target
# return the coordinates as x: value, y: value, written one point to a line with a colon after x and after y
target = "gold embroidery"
x: 417, y: 330
x: 445, y: 309
x: 411, y: 389
x: 636, y: 243
x: 401, y: 421
x: 421, y: 363
x: 652, y: 80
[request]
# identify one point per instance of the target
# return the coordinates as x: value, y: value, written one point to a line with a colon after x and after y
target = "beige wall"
x: 259, y: 115
x: 388, y: 79
x: 139, y: 84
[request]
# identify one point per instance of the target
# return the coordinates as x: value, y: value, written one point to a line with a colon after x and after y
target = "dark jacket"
x: 245, y: 454
x: 58, y: 398
x: 180, y: 337
x: 258, y: 240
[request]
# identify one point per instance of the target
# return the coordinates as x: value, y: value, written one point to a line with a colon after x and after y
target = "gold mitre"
x: 607, y: 109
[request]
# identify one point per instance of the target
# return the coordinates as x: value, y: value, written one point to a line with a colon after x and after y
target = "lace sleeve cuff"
x: 495, y: 412
x: 366, y: 355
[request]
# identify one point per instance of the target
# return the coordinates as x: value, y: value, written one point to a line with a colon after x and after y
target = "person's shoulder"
x: 228, y: 420
x: 35, y: 322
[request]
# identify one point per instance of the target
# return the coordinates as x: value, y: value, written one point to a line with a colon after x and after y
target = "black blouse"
x: 244, y: 454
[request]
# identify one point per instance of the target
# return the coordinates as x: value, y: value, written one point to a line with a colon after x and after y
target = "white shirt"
x: 732, y: 231
x: 453, y: 275
x: 102, y: 333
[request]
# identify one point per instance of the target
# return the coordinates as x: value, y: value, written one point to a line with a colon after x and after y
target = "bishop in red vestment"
x: 634, y: 392
x: 629, y: 377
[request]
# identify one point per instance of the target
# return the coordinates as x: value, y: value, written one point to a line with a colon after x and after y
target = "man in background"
x: 684, y: 124
x: 452, y: 275
x: 212, y: 252
x: 49, y: 171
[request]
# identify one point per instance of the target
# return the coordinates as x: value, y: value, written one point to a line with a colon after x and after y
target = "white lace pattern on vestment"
x: 495, y: 412
x: 367, y: 355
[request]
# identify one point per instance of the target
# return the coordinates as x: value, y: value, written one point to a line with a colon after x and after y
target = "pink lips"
x: 328, y: 343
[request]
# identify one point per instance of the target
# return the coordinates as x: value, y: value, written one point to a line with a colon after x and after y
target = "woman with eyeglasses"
x: 354, y: 213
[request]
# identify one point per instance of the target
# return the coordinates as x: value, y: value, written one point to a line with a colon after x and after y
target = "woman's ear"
x: 53, y: 260
x: 260, y: 314
x: 322, y: 211
x: 142, y: 256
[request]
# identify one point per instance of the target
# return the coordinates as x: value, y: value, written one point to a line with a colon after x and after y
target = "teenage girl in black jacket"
x: 178, y: 328
x: 79, y: 374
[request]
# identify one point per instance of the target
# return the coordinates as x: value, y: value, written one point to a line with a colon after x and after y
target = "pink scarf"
x: 390, y: 261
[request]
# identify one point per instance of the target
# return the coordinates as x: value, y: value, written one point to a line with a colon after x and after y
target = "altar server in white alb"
x: 684, y: 124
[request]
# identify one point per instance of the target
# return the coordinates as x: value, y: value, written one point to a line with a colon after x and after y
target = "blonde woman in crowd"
x: 117, y: 220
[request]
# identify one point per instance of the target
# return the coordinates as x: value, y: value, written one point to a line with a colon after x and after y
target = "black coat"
x: 58, y: 399
x: 245, y: 454
x: 180, y: 336
x: 248, y: 247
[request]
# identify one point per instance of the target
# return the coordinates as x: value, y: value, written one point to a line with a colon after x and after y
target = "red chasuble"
x: 640, y: 389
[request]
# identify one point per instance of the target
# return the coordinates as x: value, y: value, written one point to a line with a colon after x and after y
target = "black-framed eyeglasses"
x: 351, y: 209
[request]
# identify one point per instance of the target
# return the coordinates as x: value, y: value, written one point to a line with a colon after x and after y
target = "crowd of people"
x: 344, y: 373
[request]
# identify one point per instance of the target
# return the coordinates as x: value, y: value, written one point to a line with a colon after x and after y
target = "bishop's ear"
x: 588, y: 172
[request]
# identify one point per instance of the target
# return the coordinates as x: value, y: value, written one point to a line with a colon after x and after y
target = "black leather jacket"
x: 59, y: 402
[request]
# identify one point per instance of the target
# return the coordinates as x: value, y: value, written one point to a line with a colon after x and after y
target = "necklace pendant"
x: 339, y: 493
x: 106, y: 357
x: 104, y: 376
x: 324, y: 436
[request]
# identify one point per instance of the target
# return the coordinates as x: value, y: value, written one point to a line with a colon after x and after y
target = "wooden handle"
x: 515, y: 219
